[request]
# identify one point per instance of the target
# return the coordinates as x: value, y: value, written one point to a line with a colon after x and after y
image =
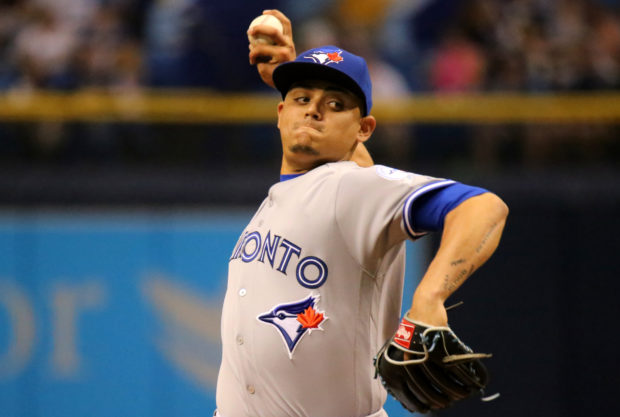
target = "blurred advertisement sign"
x: 112, y: 314
x: 106, y: 314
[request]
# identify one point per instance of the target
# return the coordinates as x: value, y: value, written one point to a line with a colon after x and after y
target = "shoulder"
x: 381, y: 176
x: 387, y: 177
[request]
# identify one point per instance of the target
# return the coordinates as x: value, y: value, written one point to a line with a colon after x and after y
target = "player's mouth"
x: 308, y: 125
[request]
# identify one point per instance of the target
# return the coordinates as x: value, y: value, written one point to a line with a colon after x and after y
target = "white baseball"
x: 268, y: 20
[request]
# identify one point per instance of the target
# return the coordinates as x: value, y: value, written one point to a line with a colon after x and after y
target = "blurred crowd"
x: 438, y: 45
x: 532, y: 45
x: 410, y: 46
x: 68, y: 44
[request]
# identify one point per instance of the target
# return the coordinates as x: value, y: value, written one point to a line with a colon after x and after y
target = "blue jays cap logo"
x: 327, y: 63
x: 326, y: 58
x: 294, y: 320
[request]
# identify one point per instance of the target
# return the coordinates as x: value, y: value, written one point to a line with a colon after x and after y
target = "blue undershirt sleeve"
x: 430, y: 209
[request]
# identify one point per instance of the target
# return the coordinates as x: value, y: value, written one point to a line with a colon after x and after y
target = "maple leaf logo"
x: 310, y: 318
x: 295, y: 320
x: 335, y: 56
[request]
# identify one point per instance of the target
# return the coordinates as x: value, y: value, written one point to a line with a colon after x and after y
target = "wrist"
x: 426, y: 295
x: 428, y: 308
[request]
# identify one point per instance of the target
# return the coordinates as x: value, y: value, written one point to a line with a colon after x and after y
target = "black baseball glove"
x: 428, y: 368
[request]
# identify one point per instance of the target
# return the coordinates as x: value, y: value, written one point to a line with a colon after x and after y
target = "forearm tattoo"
x: 452, y: 281
x: 451, y: 284
x: 486, y: 238
x: 457, y: 262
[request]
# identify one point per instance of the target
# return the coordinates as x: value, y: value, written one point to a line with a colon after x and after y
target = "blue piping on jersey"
x: 286, y: 177
x: 417, y: 193
x: 428, y: 212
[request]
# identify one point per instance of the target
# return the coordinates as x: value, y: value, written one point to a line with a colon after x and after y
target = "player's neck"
x: 291, y: 168
x: 287, y: 169
x: 295, y: 167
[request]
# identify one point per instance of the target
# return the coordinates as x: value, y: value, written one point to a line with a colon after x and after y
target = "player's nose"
x: 313, y: 110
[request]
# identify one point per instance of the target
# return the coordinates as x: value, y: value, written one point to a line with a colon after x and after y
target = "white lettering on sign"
x: 21, y: 329
x: 69, y: 301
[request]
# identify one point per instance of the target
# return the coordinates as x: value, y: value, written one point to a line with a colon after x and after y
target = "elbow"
x: 486, y: 208
x: 497, y: 208
x: 490, y: 207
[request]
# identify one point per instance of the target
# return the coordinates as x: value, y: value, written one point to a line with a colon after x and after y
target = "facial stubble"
x: 303, y: 149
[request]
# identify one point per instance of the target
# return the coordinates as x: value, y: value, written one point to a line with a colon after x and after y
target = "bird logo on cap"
x: 326, y: 58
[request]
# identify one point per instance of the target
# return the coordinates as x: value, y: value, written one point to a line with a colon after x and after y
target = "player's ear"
x: 280, y: 106
x: 367, y: 127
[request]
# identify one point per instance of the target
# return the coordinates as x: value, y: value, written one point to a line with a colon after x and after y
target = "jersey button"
x: 251, y: 389
x: 239, y: 340
x: 242, y: 292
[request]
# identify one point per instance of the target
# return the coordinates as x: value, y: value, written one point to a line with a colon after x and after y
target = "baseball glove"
x: 428, y: 368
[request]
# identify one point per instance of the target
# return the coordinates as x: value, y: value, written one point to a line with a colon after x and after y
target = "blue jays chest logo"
x: 294, y: 320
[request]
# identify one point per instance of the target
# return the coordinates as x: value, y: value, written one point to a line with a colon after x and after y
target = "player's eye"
x: 302, y: 99
x: 335, y: 105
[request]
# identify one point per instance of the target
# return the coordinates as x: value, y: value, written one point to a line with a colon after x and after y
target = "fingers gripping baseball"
x: 268, y: 55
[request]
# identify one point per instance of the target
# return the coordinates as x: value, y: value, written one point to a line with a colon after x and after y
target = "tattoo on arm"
x: 457, y: 262
x: 450, y: 284
x: 486, y: 238
x: 452, y: 281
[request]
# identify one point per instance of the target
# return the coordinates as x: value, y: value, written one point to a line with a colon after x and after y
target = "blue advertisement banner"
x: 117, y: 314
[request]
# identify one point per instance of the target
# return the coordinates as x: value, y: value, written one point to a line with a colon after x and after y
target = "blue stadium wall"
x: 117, y: 314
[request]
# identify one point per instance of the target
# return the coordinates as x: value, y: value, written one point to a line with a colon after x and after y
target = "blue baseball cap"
x: 328, y: 63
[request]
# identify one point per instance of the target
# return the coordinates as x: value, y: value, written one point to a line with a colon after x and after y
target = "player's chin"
x: 306, y: 158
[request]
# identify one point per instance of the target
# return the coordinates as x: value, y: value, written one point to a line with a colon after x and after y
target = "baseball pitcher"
x: 310, y: 322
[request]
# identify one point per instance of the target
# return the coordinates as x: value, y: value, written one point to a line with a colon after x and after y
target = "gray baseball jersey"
x: 314, y: 289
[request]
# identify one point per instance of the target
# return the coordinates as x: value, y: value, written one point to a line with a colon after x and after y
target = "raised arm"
x: 268, y: 57
x: 471, y: 234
